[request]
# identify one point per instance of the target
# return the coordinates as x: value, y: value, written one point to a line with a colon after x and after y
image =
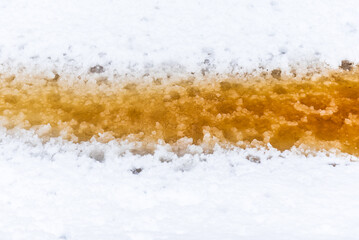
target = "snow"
x: 159, y: 37
x: 62, y: 190
x: 56, y: 191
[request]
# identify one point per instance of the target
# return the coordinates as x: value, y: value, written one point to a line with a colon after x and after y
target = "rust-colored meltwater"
x: 321, y: 112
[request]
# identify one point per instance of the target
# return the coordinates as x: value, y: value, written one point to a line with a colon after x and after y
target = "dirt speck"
x: 346, y: 65
x: 97, y: 69
x: 276, y: 73
x: 253, y: 159
x: 136, y: 171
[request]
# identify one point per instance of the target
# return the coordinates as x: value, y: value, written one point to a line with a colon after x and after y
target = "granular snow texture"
x: 57, y: 189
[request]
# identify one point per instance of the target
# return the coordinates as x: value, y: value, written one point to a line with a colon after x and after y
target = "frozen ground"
x: 61, y: 190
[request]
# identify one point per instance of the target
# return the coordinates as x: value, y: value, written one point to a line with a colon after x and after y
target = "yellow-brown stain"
x: 320, y: 112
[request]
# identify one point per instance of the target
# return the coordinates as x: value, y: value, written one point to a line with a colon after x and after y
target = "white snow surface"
x: 90, y: 191
x: 159, y: 37
x: 58, y: 191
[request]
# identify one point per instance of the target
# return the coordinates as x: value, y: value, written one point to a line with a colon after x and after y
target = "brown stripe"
x: 320, y: 113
